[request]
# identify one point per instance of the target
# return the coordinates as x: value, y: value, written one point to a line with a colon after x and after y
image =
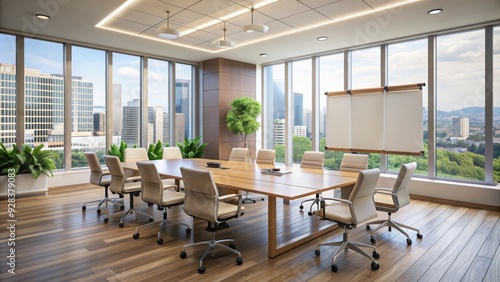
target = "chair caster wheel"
x: 99, y: 211
x: 106, y: 220
x: 122, y: 208
x: 188, y: 231
x: 151, y: 219
x: 317, y: 252
x: 375, y: 265
x: 409, y: 242
x: 301, y: 207
x: 420, y: 236
x: 120, y: 224
x: 159, y: 241
x: 136, y: 236
x: 84, y: 208
x: 334, y: 267
x: 183, y: 254
x: 232, y: 246
x: 201, y: 269
x: 150, y: 205
x: 310, y: 213
x: 368, y: 227
x: 253, y: 201
x: 373, y: 240
x: 375, y: 255
x: 242, y: 202
x: 239, y: 260
x: 262, y: 199
x: 390, y: 229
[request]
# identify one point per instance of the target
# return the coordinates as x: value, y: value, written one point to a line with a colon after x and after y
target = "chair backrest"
x: 118, y: 177
x: 172, y: 153
x: 400, y: 186
x: 135, y: 155
x: 265, y: 156
x: 363, y: 206
x: 201, y: 198
x: 313, y: 159
x: 151, y: 184
x: 95, y: 168
x: 354, y: 162
x: 239, y: 155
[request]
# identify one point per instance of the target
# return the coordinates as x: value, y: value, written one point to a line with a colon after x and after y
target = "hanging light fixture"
x: 255, y: 27
x: 167, y: 32
x: 224, y: 43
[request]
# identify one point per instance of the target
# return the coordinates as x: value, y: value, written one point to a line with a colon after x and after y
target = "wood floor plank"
x: 56, y: 241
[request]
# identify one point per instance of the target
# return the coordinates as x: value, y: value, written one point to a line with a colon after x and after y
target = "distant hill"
x: 475, y: 115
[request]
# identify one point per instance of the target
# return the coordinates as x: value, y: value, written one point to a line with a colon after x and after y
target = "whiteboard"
x: 389, y: 122
x: 339, y: 111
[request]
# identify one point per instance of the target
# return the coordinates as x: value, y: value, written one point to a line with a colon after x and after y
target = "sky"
x: 460, y: 68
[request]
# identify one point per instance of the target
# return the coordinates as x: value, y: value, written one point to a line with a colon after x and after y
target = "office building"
x: 279, y: 132
x: 460, y: 127
x: 99, y: 124
x: 300, y: 130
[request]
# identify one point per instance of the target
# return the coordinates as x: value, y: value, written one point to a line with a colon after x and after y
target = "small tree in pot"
x: 242, y: 117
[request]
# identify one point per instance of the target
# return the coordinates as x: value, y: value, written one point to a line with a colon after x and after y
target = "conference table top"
x: 299, y: 183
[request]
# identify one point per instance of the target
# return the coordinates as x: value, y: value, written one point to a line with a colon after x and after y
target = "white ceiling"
x: 294, y: 25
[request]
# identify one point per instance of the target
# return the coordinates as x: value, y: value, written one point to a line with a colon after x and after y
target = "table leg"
x: 271, y: 227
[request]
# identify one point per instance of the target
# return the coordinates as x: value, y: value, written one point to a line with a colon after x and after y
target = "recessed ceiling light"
x: 322, y: 38
x: 42, y: 17
x: 435, y: 11
x: 263, y: 55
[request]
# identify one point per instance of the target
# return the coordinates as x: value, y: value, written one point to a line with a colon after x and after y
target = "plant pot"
x: 24, y: 184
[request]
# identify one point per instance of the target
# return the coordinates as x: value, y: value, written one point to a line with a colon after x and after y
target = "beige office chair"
x: 101, y: 178
x: 312, y: 159
x: 264, y: 156
x: 391, y: 200
x: 349, y: 213
x: 134, y: 155
x: 202, y: 201
x: 239, y: 155
x: 155, y: 192
x: 352, y: 163
x: 172, y: 153
x: 119, y: 185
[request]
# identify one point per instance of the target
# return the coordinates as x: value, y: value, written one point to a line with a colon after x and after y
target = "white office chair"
x: 391, y: 200
x: 172, y: 153
x: 154, y: 191
x: 239, y: 155
x: 202, y: 201
x: 312, y: 159
x: 349, y: 213
x: 134, y: 155
x: 352, y: 163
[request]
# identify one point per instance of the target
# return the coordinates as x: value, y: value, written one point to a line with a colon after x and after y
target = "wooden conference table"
x: 301, y: 182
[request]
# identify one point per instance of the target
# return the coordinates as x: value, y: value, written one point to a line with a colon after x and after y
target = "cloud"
x: 128, y: 73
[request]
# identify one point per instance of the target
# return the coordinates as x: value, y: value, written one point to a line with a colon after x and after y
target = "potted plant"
x: 190, y: 148
x: 242, y: 117
x: 26, y: 167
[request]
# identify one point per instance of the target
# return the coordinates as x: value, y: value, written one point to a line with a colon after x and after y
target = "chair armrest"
x: 387, y: 191
x: 105, y: 172
x: 133, y: 178
x: 229, y: 196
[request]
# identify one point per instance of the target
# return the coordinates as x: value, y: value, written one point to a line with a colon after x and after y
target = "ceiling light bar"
x: 110, y: 16
x: 435, y: 11
x: 42, y: 16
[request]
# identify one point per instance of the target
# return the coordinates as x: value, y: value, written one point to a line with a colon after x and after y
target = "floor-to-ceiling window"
x: 460, y: 118
x: 88, y: 107
x: 44, y: 96
x: 126, y: 99
x: 407, y: 64
x: 183, y: 102
x: 274, y: 85
x: 301, y: 108
x: 158, y: 102
x: 365, y: 73
x: 331, y: 78
x: 7, y: 90
x: 496, y: 104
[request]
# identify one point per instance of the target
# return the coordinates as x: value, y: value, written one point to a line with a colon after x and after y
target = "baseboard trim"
x: 26, y: 194
x: 455, y: 203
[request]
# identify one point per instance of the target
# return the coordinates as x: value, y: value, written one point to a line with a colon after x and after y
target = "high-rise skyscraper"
x: 117, y: 109
x: 131, y: 123
x: 279, y: 132
x: 460, y: 127
x: 298, y: 109
x: 155, y: 124
x: 99, y: 124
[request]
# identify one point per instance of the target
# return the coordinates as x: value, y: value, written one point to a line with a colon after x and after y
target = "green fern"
x: 190, y: 149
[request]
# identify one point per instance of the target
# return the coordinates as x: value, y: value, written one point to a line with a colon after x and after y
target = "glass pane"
x: 8, y: 90
x: 183, y: 102
x: 44, y: 96
x: 407, y: 62
x: 496, y: 104
x: 88, y: 126
x: 366, y: 74
x: 274, y: 95
x: 158, y: 103
x: 126, y: 99
x: 301, y: 108
x: 460, y: 105
x: 331, y: 78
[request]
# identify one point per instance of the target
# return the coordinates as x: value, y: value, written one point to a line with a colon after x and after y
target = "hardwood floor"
x: 56, y: 241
